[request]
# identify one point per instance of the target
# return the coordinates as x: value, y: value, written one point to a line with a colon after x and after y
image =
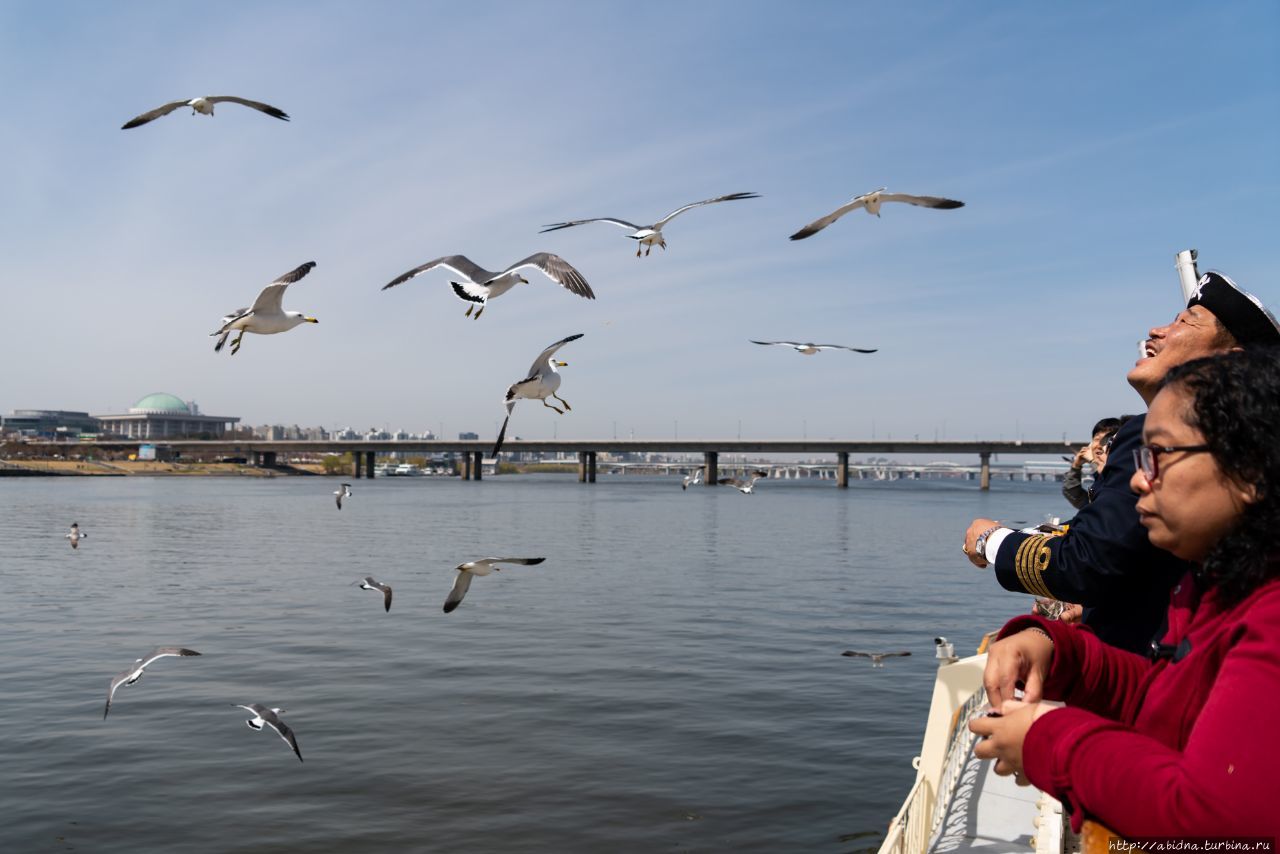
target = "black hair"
x: 1236, y: 407
x: 1106, y: 425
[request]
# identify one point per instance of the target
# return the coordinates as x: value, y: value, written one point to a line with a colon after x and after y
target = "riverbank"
x: 124, y: 468
x: 121, y: 468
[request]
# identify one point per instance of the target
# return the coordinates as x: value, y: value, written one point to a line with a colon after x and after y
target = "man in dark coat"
x: 1105, y: 561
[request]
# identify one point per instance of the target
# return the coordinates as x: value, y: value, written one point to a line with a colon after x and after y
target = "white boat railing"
x: 957, y: 695
x: 942, y: 778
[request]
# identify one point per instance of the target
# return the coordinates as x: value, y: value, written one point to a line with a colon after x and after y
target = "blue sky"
x: 1090, y: 142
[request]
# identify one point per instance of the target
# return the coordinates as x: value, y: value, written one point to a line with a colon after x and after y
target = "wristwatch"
x: 980, y: 544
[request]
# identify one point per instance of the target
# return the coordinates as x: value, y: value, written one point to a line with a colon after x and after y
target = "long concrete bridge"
x: 265, y: 452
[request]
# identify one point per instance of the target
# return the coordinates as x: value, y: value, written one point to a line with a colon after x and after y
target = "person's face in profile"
x: 1189, y: 504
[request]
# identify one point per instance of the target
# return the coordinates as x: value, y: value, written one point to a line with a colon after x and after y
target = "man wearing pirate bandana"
x: 1105, y: 561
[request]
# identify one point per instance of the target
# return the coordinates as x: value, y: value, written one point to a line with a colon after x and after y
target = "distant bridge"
x: 265, y: 452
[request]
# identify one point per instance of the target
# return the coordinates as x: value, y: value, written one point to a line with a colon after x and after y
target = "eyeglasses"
x: 1147, y: 457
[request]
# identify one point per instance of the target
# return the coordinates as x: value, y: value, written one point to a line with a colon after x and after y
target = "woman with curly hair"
x: 1186, y: 740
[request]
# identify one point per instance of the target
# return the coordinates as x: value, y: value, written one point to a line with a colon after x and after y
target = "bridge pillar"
x: 357, y: 459
x: 591, y: 466
x: 466, y: 465
x: 368, y: 465
x: 477, y: 466
x: 711, y: 468
x: 984, y: 479
x: 268, y: 459
x: 842, y: 470
x: 582, y: 466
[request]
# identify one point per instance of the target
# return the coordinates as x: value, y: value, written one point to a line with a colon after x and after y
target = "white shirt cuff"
x: 992, y: 546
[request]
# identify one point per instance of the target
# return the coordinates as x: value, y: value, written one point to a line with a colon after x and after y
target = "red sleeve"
x: 1222, y: 783
x: 1085, y: 671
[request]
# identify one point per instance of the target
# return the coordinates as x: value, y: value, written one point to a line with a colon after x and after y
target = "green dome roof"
x: 161, y: 402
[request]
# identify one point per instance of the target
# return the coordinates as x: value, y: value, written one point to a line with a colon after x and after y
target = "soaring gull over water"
x: 542, y: 381
x: 385, y: 589
x: 483, y: 566
x: 270, y: 717
x: 266, y: 316
x: 693, y: 478
x: 204, y: 106
x: 343, y: 491
x: 648, y: 235
x: 75, y: 535
x: 871, y: 203
x: 810, y: 349
x: 746, y: 487
x: 134, y: 673
x: 479, y: 285
x: 877, y: 658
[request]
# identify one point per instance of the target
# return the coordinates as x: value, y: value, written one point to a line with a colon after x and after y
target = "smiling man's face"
x: 1194, y: 333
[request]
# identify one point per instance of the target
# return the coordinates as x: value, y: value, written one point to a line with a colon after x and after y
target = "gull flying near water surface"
x: 542, y: 381
x: 871, y: 202
x: 479, y: 285
x: 134, y: 673
x: 270, y: 717
x: 343, y: 491
x: 266, y: 316
x: 204, y: 106
x: 810, y: 349
x: 370, y: 584
x: 483, y: 566
x: 877, y: 658
x: 648, y: 235
x: 75, y: 536
x: 745, y: 487
x: 693, y: 478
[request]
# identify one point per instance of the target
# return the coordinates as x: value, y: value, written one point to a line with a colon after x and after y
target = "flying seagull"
x: 745, y: 487
x: 370, y: 584
x: 483, y: 566
x: 342, y: 492
x: 134, y: 673
x: 479, y: 285
x: 648, y: 235
x: 877, y: 658
x: 75, y: 536
x: 266, y: 317
x: 872, y: 201
x: 810, y: 349
x: 270, y: 717
x: 693, y: 478
x: 542, y: 382
x: 204, y: 106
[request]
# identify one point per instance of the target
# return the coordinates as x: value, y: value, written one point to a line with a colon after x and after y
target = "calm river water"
x: 670, y: 678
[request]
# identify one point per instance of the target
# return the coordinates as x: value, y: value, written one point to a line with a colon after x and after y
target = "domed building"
x: 166, y: 416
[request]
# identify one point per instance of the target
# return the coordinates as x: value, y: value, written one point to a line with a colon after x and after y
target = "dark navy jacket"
x: 1105, y: 561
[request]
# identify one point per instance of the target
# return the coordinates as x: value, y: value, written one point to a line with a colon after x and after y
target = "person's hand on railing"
x: 1001, y: 735
x: 1019, y: 661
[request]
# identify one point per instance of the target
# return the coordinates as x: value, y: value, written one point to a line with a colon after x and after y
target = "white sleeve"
x: 992, y: 546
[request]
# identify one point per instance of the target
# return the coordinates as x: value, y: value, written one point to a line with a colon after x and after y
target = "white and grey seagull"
x: 479, y: 285
x: 75, y: 535
x: 871, y: 203
x: 646, y: 236
x: 342, y: 492
x: 877, y: 658
x: 134, y: 673
x: 370, y: 583
x: 270, y: 717
x: 541, y: 382
x: 483, y: 566
x: 266, y: 316
x: 204, y: 106
x: 693, y: 478
x: 746, y: 487
x: 810, y: 349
